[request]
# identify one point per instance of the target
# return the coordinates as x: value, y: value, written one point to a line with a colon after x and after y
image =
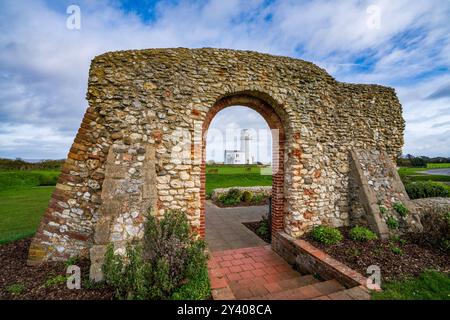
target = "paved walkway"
x: 224, y: 228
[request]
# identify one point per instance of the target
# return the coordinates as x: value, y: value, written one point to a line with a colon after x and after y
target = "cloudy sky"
x: 44, y: 65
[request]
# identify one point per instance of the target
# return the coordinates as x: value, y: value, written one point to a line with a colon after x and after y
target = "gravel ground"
x: 34, y: 281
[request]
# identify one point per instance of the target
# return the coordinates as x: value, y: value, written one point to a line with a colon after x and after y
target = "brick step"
x: 297, y: 282
x: 311, y: 291
x: 355, y: 293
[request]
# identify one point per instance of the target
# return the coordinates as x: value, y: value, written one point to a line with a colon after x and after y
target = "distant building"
x: 241, y: 156
x: 234, y: 157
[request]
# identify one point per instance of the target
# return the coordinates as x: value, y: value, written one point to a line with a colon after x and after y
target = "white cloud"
x: 44, y: 66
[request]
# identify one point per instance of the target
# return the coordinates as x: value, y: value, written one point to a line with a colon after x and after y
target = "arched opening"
x: 269, y: 114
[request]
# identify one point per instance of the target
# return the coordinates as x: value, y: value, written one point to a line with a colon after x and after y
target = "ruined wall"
x: 375, y: 188
x: 143, y: 104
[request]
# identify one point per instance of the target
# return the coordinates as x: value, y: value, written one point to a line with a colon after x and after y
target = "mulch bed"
x: 241, y: 204
x: 416, y: 257
x: 14, y: 270
x: 254, y: 225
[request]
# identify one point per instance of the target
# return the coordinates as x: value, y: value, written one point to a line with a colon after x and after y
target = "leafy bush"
x: 396, y: 250
x: 232, y: 197
x: 383, y: 209
x: 426, y: 189
x: 326, y: 235
x: 264, y: 228
x: 16, y: 289
x: 392, y: 223
x: 437, y: 229
x: 170, y: 264
x: 258, y: 198
x: 361, y: 234
x: 55, y: 280
x: 400, y: 208
x: 247, y: 196
x: 418, y: 162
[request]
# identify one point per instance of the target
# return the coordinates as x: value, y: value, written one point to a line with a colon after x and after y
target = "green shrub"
x: 170, y: 263
x: 392, y: 223
x: 234, y: 193
x: 72, y: 261
x: 264, y: 228
x: 436, y: 227
x: 232, y: 197
x: 361, y: 234
x: 258, y: 198
x: 247, y: 196
x: 396, y: 250
x: 400, y: 208
x: 16, y: 289
x: 326, y: 235
x: 55, y: 281
x: 426, y: 189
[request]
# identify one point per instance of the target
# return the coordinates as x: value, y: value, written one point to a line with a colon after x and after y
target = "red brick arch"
x: 267, y: 109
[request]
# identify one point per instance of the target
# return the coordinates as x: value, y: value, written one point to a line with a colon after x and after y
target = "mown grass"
x: 214, y: 181
x: 26, y: 179
x: 24, y: 196
x: 438, y: 165
x: 21, y: 210
x: 430, y: 285
x: 226, y: 176
x: 233, y: 169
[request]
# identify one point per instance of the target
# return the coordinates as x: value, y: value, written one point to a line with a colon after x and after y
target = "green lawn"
x: 21, y: 210
x: 214, y: 181
x: 438, y: 165
x: 233, y: 169
x: 24, y: 196
x: 430, y: 285
x: 226, y: 176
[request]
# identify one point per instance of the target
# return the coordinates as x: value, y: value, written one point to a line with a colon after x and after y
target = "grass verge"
x: 430, y: 285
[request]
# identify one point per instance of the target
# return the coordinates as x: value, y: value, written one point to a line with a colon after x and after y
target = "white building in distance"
x: 243, y: 155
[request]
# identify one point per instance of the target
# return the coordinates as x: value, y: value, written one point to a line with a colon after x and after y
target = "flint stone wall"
x: 143, y: 102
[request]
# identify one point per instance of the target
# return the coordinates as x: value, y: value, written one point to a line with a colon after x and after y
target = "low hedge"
x: 428, y: 189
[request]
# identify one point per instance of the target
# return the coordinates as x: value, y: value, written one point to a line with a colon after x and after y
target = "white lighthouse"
x: 242, y: 156
x: 245, y: 146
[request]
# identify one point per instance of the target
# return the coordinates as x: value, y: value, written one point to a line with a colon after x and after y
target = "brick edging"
x: 310, y: 259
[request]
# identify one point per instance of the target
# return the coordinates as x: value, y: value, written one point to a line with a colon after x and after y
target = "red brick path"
x: 259, y: 273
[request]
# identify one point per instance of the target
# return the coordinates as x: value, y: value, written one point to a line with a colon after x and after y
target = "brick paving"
x: 259, y: 273
x: 242, y: 266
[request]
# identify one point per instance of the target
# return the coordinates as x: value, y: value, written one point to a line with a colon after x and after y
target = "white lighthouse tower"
x: 245, y: 146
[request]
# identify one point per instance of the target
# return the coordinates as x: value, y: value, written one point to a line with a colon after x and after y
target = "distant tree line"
x: 421, y: 161
x: 19, y: 164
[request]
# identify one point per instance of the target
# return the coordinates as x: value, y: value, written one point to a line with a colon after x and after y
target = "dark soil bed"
x: 254, y: 225
x: 33, y: 280
x: 416, y: 256
x: 241, y: 204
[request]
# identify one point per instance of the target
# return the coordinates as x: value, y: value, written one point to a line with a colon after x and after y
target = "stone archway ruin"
x: 339, y: 143
x: 273, y: 115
